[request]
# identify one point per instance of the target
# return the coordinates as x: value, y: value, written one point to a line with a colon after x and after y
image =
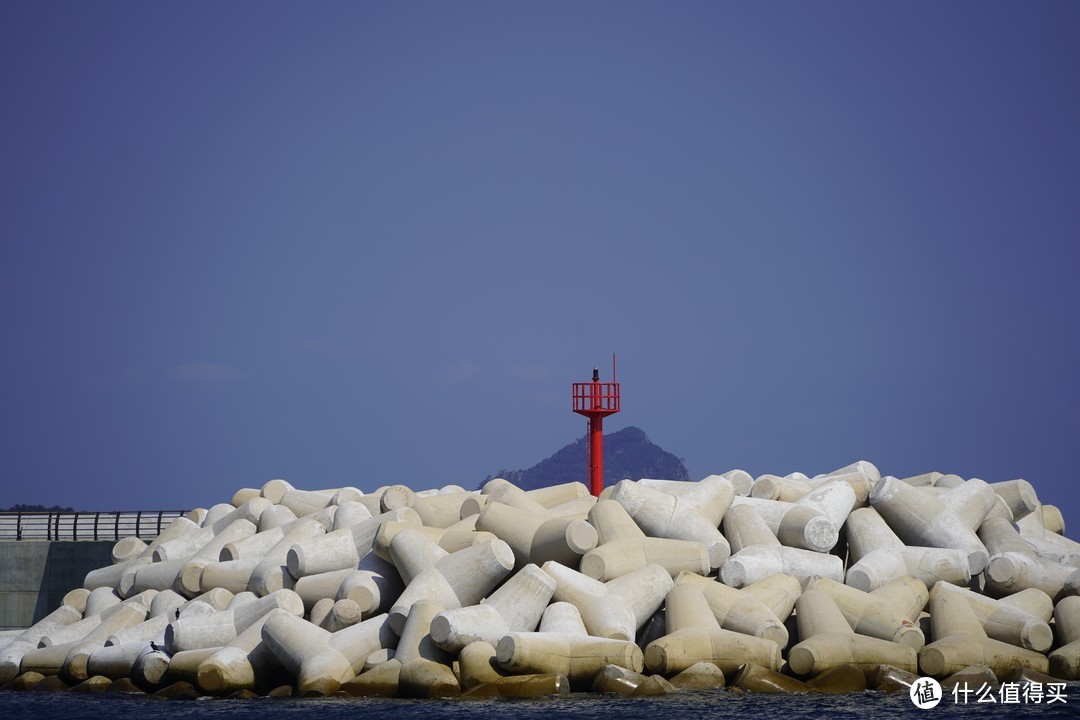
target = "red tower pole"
x: 596, y: 455
x: 595, y: 400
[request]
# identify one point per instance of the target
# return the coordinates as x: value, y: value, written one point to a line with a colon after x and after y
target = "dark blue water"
x: 718, y: 705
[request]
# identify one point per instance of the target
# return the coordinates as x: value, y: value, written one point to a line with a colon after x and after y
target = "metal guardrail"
x: 102, y: 525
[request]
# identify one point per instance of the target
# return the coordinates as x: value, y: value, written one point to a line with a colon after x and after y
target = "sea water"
x: 713, y: 705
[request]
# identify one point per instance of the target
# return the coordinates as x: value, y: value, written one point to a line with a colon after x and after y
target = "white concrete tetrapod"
x: 341, y: 549
x: 458, y: 580
x: 304, y: 651
x: 114, y: 661
x: 221, y: 628
x: 1019, y: 495
x: 694, y: 635
x: 872, y: 615
x: 972, y: 502
x: 613, y: 523
x: 877, y: 556
x: 12, y: 653
x: 744, y: 527
x: 796, y: 525
x: 774, y: 487
x: 1011, y: 572
x: 1065, y: 660
x: 661, y: 514
x: 516, y: 606
x: 254, y: 546
x: 826, y: 640
x: 562, y: 618
x: 534, y: 537
x: 959, y: 641
x: 1005, y: 622
x: 577, y: 657
x: 737, y: 610
x: 373, y: 586
x: 741, y: 482
x: 245, y: 663
x: 921, y: 518
x: 758, y: 562
x: 617, y: 558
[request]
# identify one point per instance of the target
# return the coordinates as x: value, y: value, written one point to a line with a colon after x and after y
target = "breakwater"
x: 841, y: 582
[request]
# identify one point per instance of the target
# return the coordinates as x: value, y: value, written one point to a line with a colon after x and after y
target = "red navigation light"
x: 596, y: 400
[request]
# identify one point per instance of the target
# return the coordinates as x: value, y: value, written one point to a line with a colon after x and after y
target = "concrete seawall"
x: 35, y: 576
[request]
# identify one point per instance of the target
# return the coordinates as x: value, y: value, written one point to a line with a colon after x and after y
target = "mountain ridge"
x: 628, y: 453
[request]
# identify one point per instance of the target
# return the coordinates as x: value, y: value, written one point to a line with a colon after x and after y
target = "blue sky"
x: 367, y: 243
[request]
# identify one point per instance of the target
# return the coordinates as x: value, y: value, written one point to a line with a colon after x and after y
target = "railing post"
x: 18, y: 526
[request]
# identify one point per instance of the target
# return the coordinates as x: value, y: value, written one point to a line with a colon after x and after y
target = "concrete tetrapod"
x: 219, y: 629
x: 795, y: 525
x: 758, y: 562
x: 114, y: 661
x: 959, y: 641
x: 272, y: 572
x: 1065, y: 661
x: 615, y: 559
x: 741, y: 482
x: 516, y: 606
x: 373, y: 586
x: 245, y: 663
x: 663, y: 515
x: 481, y: 677
x: 254, y: 546
x: 578, y: 657
x: 755, y: 678
x: 921, y: 518
x: 878, y: 556
x: 11, y: 654
x: 69, y: 659
x: 744, y: 527
x: 710, y: 497
x: 1010, y: 572
x: 739, y: 610
x: 458, y: 580
x: 694, y: 635
x: 1005, y: 622
x: 189, y: 579
x: 874, y: 616
x: 615, y: 609
x: 304, y: 650
x: 972, y: 502
x: 826, y: 640
x: 342, y: 549
x: 562, y: 618
x: 774, y: 487
x: 425, y: 668
x: 152, y: 629
x: 1019, y: 495
x: 535, y: 537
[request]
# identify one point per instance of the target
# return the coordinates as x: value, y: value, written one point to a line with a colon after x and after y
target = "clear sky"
x: 366, y: 243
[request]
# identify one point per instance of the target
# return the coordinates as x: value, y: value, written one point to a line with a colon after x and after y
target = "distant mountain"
x: 628, y: 453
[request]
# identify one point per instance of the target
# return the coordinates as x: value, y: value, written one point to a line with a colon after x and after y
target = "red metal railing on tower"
x: 594, y: 396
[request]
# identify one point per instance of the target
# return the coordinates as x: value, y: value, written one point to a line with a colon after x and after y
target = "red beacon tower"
x: 596, y: 400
